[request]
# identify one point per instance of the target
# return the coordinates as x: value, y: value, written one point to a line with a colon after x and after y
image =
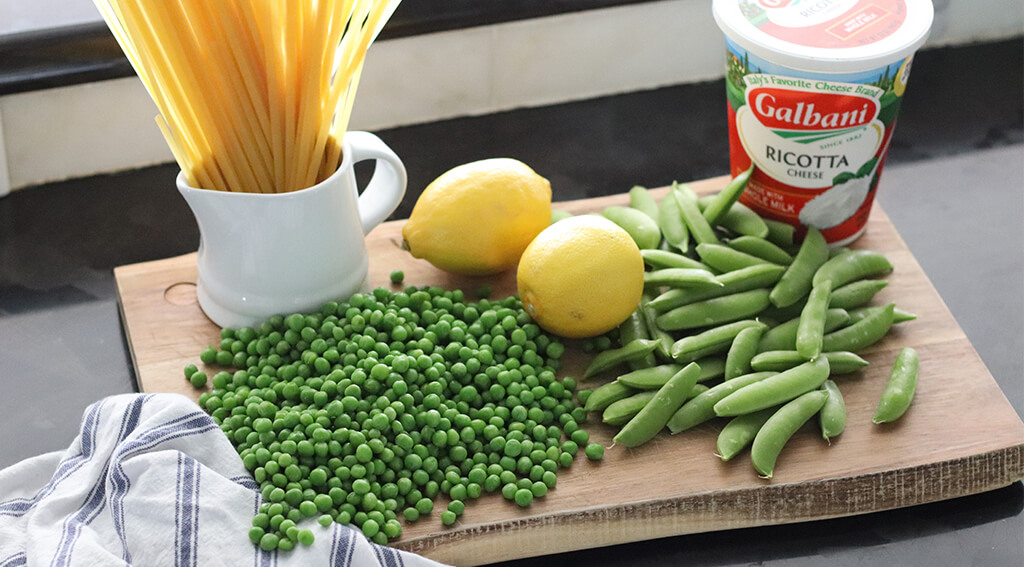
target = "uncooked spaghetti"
x: 253, y: 95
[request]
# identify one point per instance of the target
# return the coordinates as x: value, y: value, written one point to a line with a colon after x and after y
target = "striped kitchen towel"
x: 151, y: 481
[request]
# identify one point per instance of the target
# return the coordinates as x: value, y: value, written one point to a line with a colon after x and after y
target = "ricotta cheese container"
x: 814, y: 88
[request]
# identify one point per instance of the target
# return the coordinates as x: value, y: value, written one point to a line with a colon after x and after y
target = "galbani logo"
x: 784, y: 109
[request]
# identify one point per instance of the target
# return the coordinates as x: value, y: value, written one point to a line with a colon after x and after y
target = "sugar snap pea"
x: 851, y: 266
x: 701, y: 407
x: 698, y: 226
x: 899, y: 390
x: 839, y: 362
x: 681, y: 277
x: 715, y: 311
x: 635, y: 327
x: 775, y: 390
x: 783, y: 335
x: 724, y: 199
x: 739, y: 219
x: 649, y: 378
x: 725, y: 259
x: 855, y: 294
x: 633, y: 350
x: 862, y: 333
x: 745, y: 279
x: 711, y: 367
x: 742, y: 350
x: 832, y: 418
x: 762, y: 249
x: 559, y: 214
x: 780, y: 233
x: 898, y: 315
x: 662, y: 351
x: 811, y: 328
x: 780, y: 427
x: 740, y: 432
x: 642, y: 200
x: 670, y: 219
x: 667, y: 259
x: 711, y: 341
x: 656, y: 413
x: 642, y: 228
x: 621, y: 411
x: 606, y: 394
x: 795, y: 284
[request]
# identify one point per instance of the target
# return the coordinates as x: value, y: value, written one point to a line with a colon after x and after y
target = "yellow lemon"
x: 477, y: 218
x: 581, y: 277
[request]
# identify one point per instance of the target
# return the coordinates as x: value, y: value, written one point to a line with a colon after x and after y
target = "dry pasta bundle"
x: 253, y: 95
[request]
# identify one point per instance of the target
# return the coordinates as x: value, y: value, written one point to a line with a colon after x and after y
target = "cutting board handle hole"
x: 181, y: 293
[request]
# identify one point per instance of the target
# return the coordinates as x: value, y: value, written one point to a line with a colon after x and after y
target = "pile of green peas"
x: 366, y: 411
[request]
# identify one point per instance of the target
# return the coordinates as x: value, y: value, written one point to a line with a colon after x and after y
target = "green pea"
x: 775, y: 390
x: 740, y: 431
x: 657, y: 412
x: 397, y: 277
x: 523, y: 497
x: 716, y: 311
x: 796, y: 282
x: 780, y: 427
x: 642, y: 228
x: 198, y: 379
x: 833, y: 414
x: 899, y: 390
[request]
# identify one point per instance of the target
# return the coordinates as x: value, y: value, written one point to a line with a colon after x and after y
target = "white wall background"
x: 107, y: 126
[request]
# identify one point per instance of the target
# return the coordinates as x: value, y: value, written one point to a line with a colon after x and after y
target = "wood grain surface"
x: 960, y: 437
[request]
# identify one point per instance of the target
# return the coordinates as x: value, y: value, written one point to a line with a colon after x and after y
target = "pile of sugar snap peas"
x: 730, y: 296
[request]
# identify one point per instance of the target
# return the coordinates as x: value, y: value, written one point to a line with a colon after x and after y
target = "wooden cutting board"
x: 960, y: 437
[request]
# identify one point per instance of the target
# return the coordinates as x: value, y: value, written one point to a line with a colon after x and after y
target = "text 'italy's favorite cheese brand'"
x: 814, y: 88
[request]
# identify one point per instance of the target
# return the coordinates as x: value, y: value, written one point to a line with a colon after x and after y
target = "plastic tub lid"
x: 830, y: 36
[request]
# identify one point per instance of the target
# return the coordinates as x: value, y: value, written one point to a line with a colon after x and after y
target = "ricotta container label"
x: 818, y: 141
x: 814, y: 88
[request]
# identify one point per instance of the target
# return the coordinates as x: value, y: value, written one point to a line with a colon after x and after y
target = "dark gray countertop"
x: 954, y: 188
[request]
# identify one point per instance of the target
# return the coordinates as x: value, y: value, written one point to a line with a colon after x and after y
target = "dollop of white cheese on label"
x: 834, y: 206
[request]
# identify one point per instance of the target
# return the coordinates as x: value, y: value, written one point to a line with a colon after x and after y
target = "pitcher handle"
x: 386, y: 187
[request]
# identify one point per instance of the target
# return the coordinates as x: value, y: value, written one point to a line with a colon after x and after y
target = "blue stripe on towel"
x: 94, y: 501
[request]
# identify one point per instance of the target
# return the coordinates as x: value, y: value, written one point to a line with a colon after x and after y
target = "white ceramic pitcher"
x: 264, y: 254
